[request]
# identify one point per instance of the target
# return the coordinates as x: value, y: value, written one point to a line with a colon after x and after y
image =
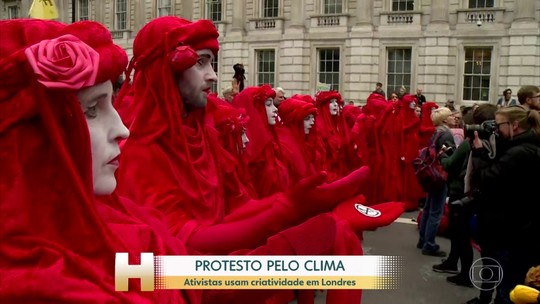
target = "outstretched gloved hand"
x: 361, y: 217
x: 310, y: 196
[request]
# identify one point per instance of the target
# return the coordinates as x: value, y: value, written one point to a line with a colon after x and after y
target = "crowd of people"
x: 166, y: 166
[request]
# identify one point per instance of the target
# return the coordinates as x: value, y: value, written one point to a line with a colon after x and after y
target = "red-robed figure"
x: 298, y: 118
x: 366, y: 137
x: 412, y: 192
x: 263, y: 154
x: 60, y: 223
x: 173, y: 160
x: 333, y: 133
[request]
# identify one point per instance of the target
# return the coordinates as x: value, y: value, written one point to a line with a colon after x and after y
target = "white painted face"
x: 271, y: 111
x: 106, y: 129
x: 412, y: 105
x: 334, y: 107
x: 245, y: 139
x: 309, y: 121
x: 196, y: 82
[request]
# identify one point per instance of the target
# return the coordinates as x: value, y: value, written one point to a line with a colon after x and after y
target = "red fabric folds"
x: 52, y: 228
x: 298, y: 154
x: 333, y: 133
x: 427, y: 128
x: 263, y: 154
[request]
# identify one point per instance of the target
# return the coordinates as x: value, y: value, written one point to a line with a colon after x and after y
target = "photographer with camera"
x: 434, y: 206
x: 460, y: 215
x: 507, y: 207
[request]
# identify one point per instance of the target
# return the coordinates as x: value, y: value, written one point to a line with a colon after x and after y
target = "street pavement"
x: 419, y: 284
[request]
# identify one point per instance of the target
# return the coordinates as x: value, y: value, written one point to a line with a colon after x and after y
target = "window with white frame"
x: 214, y: 10
x: 402, y: 5
x: 266, y: 67
x: 13, y: 11
x: 82, y: 9
x: 270, y: 8
x: 121, y: 14
x: 333, y: 7
x: 398, y: 69
x: 329, y: 62
x: 163, y: 8
x: 481, y: 3
x: 477, y: 73
x: 215, y: 67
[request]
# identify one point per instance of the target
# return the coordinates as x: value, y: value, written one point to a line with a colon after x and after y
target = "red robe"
x: 333, y: 134
x: 367, y: 136
x: 58, y: 243
x: 263, y: 153
x: 427, y: 128
x: 230, y: 123
x: 173, y: 161
x: 412, y: 191
x: 353, y: 159
x: 297, y: 154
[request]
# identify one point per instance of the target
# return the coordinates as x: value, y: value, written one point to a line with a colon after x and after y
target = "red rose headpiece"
x: 68, y: 57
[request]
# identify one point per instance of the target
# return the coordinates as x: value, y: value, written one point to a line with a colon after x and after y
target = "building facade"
x: 467, y: 50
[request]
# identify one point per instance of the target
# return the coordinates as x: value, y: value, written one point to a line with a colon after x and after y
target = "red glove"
x: 309, y: 197
x: 361, y: 217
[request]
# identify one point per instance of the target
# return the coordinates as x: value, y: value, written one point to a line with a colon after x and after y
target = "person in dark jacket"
x: 508, y: 205
x: 459, y: 219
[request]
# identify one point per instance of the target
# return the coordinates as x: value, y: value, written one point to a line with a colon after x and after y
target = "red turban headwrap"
x: 163, y: 35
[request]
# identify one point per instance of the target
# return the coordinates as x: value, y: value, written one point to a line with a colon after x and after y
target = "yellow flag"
x: 43, y: 9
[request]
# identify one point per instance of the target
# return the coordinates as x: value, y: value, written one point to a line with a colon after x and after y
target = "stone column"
x: 100, y: 11
x: 297, y: 13
x: 364, y: 12
x: 525, y: 10
x: 139, y: 16
x: 238, y: 15
x: 439, y: 11
x: 187, y: 9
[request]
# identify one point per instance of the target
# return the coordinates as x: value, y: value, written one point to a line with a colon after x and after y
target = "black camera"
x: 484, y: 129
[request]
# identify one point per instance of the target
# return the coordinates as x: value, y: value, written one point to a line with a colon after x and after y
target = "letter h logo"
x: 124, y: 271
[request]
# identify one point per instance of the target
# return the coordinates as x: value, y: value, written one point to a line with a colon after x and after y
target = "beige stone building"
x: 467, y: 50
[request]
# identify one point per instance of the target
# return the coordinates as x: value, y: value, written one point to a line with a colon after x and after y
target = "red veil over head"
x: 263, y: 154
x: 427, y: 128
x: 333, y: 132
x: 164, y: 138
x: 298, y: 154
x: 231, y: 122
x: 56, y: 244
x: 260, y: 133
x: 350, y: 113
